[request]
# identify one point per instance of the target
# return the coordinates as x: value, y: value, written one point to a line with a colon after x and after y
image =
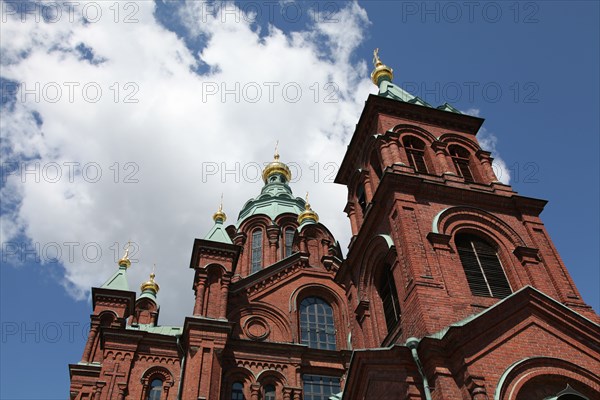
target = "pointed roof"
x: 118, y: 280
x: 218, y: 233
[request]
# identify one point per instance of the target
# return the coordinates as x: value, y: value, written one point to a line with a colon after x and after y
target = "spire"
x: 118, y: 280
x: 220, y: 216
x: 381, y: 72
x: 124, y: 261
x: 150, y: 288
x: 218, y: 233
x: 308, y: 215
x: 276, y: 167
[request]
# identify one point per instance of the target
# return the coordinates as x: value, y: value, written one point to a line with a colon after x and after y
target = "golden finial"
x: 150, y: 284
x: 308, y: 213
x: 381, y: 71
x: 124, y: 261
x: 276, y: 166
x: 220, y: 216
x: 376, y: 61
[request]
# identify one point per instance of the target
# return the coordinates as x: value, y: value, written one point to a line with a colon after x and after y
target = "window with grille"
x: 320, y: 387
x: 317, y: 327
x: 289, y: 240
x: 482, y: 267
x: 256, y: 250
x: 237, y: 391
x: 269, y: 392
x: 460, y: 157
x: 389, y: 297
x: 155, y: 389
x: 415, y: 151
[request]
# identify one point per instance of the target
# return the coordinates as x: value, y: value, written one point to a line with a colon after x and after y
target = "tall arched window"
x: 460, y: 157
x: 269, y: 392
x: 389, y: 297
x: 415, y: 151
x: 155, y: 389
x: 289, y: 240
x: 317, y: 328
x: 237, y: 391
x: 256, y: 250
x: 482, y: 267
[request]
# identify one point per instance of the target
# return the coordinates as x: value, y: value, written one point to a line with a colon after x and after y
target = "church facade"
x: 451, y: 287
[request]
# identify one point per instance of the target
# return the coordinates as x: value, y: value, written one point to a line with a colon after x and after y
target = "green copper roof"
x: 275, y: 198
x: 118, y: 281
x: 392, y: 91
x: 160, y: 330
x: 148, y: 294
x: 218, y: 233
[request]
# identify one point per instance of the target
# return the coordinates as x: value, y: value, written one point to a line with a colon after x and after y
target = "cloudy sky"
x: 126, y: 121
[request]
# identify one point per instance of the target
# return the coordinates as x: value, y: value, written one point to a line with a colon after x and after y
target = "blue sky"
x: 167, y: 139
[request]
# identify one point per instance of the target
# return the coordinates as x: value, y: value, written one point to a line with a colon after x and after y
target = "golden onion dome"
x: 220, y: 215
x: 150, y: 285
x: 381, y: 70
x: 308, y: 213
x: 124, y: 261
x: 276, y: 167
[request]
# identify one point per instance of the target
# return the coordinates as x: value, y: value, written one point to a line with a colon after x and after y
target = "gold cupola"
x: 124, y: 261
x: 150, y: 285
x: 220, y: 215
x: 381, y: 71
x: 276, y: 167
x: 308, y: 214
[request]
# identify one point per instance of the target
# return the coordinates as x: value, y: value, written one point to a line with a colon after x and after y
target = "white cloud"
x: 154, y: 155
x: 487, y: 141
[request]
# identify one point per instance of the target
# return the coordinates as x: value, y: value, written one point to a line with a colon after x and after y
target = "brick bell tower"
x: 450, y: 270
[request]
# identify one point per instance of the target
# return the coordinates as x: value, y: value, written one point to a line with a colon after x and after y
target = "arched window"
x: 389, y: 297
x: 155, y: 389
x: 237, y: 391
x: 289, y: 240
x: 317, y: 328
x: 460, y: 157
x: 269, y: 392
x: 415, y: 151
x: 256, y: 250
x: 482, y: 267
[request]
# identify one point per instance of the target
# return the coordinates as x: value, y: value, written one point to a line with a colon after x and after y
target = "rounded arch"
x: 107, y: 318
x: 271, y: 376
x: 402, y: 129
x: 241, y: 374
x: 157, y: 372
x: 330, y: 296
x: 452, y: 219
x: 267, y: 312
x: 453, y: 138
x: 215, y: 269
x: 377, y: 250
x: 550, y: 374
x: 255, y: 221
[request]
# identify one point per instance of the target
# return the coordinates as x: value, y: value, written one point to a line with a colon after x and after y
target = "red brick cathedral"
x: 451, y: 287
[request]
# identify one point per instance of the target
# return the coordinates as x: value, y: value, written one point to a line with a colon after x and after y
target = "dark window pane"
x: 269, y: 392
x: 256, y: 250
x: 317, y: 329
x: 289, y: 239
x: 155, y: 389
x: 389, y: 298
x: 237, y: 391
x: 482, y: 266
x: 320, y: 387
